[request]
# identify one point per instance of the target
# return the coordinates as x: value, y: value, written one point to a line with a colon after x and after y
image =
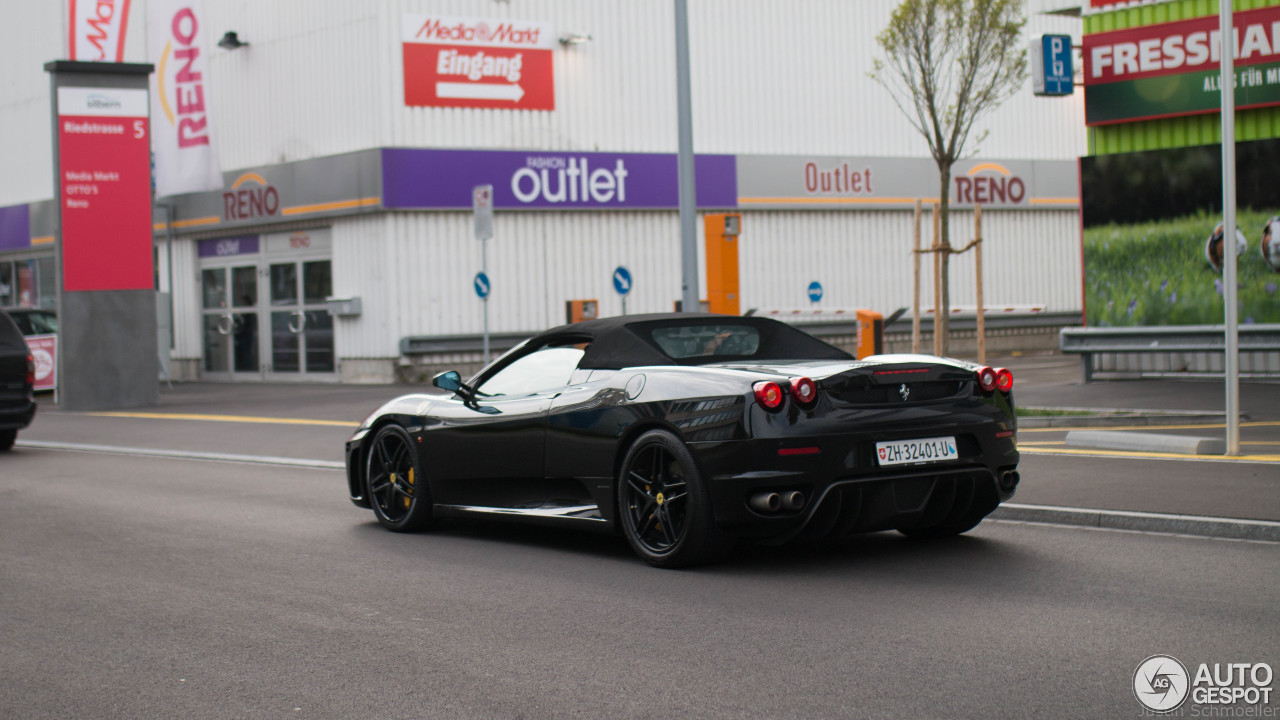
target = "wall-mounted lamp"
x: 230, y: 41
x: 574, y: 39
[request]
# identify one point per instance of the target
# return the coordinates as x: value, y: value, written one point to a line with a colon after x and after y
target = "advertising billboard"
x: 1149, y: 248
x: 1171, y: 69
x: 186, y: 157
x: 98, y: 29
x: 538, y: 180
x: 104, y: 178
x: 477, y: 63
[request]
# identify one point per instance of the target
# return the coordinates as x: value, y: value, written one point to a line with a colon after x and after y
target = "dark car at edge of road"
x: 17, y: 378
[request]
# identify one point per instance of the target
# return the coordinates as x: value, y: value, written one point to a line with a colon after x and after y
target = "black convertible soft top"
x: 630, y: 340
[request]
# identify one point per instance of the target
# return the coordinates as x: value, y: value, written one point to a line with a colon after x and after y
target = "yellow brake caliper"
x: 408, y: 500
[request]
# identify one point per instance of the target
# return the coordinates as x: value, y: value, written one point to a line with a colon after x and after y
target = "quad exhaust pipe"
x: 793, y: 500
x: 1009, y: 480
x: 772, y: 502
x: 766, y: 502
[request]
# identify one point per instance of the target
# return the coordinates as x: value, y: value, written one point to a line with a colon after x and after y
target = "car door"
x: 491, y: 452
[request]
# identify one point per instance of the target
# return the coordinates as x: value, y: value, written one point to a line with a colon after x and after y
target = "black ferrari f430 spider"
x: 685, y: 432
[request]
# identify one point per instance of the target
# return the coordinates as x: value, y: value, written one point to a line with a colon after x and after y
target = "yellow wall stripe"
x: 337, y: 205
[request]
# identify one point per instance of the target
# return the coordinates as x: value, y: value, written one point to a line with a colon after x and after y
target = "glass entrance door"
x: 300, y: 346
x: 229, y: 306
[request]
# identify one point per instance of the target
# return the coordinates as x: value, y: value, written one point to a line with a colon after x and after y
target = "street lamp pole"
x: 1226, y: 83
x: 688, y: 188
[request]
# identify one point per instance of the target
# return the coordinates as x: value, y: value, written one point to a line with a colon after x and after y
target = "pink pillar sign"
x: 104, y: 175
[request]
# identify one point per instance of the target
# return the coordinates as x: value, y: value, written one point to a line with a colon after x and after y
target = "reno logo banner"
x: 477, y: 63
x: 98, y: 29
x: 251, y: 197
x: 988, y: 183
x: 824, y: 183
x: 185, y: 155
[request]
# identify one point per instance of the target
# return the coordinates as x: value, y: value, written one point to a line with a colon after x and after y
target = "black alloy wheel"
x: 663, y: 505
x: 397, y: 489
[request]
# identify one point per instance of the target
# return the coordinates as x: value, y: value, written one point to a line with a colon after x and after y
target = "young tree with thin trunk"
x: 948, y: 63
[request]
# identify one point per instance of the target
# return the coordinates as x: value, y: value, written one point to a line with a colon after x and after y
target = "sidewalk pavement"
x: 1054, y: 381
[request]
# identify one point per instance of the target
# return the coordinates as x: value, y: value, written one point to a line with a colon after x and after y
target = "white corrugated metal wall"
x: 863, y: 259
x: 322, y: 77
x: 792, y: 78
x: 307, y: 84
x: 326, y: 76
x: 414, y: 270
x: 186, y: 294
x: 32, y: 36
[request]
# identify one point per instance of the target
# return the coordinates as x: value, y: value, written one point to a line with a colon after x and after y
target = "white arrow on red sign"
x: 479, y: 91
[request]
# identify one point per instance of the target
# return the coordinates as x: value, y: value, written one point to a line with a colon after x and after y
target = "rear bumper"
x: 845, y: 489
x: 16, y: 413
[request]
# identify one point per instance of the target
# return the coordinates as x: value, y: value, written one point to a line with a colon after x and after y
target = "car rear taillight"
x: 31, y: 370
x: 804, y: 390
x: 769, y: 394
x: 1004, y: 379
x: 986, y: 378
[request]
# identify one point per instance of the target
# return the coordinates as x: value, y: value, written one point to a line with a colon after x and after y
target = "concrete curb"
x: 1231, y: 528
x: 1121, y: 418
x: 1146, y: 442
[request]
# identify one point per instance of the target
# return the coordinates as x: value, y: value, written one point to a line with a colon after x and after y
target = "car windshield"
x: 717, y: 340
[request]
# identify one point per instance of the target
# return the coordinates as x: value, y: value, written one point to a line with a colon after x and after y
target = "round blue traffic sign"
x: 481, y: 285
x: 622, y: 280
x: 815, y: 291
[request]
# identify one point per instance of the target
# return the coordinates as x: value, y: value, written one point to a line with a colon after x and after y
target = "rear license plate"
x: 915, y: 452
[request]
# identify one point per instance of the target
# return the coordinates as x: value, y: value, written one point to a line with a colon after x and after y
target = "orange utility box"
x: 578, y: 310
x: 722, y: 231
x: 870, y: 333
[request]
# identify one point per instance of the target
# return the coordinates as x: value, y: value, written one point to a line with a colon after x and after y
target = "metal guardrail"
x: 444, y: 344
x: 993, y: 320
x: 1091, y: 341
x: 833, y: 326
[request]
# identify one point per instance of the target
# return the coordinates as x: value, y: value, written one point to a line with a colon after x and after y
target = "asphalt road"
x: 138, y: 587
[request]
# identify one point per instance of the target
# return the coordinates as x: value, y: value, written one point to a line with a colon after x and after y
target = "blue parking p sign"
x: 1051, y: 71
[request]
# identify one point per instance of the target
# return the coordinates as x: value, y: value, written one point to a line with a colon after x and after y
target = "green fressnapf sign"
x: 1169, y: 95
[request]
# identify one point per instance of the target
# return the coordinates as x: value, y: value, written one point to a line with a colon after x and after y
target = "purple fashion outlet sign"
x: 15, y: 227
x: 442, y: 179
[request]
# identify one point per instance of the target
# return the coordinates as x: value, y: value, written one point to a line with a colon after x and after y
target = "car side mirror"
x: 449, y: 380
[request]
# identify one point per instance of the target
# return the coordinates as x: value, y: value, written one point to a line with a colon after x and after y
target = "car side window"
x: 545, y: 369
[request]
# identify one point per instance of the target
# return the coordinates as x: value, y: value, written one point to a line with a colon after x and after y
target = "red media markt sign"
x: 478, y: 63
x: 104, y: 168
